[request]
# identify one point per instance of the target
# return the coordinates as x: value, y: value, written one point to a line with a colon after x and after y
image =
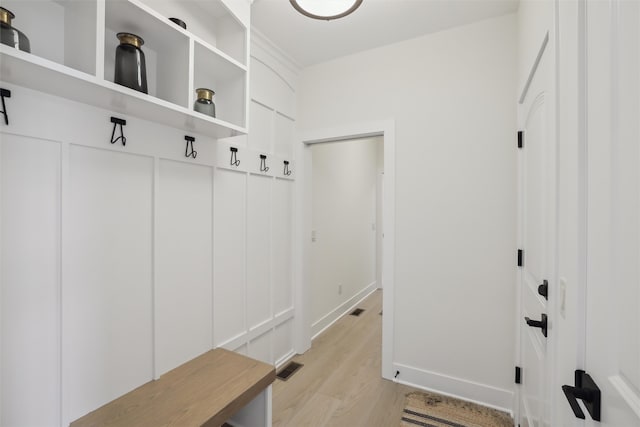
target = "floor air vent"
x: 288, y: 371
x: 357, y: 312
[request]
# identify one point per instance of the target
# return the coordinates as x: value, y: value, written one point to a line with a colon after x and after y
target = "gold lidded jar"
x: 204, y: 102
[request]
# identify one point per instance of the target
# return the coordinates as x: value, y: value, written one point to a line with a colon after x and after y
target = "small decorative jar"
x: 204, y: 102
x: 179, y: 22
x: 131, y: 68
x: 12, y: 36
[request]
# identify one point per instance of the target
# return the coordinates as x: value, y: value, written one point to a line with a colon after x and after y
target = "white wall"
x: 344, y: 204
x: 453, y: 96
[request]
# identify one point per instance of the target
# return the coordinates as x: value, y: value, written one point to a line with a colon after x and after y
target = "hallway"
x: 340, y: 383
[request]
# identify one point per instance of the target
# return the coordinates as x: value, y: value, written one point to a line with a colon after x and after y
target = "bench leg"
x: 257, y: 413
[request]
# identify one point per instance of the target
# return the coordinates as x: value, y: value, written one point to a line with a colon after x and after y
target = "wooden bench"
x: 207, y: 390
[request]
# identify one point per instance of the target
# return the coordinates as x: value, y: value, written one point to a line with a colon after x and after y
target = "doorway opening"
x: 304, y: 235
x: 346, y: 222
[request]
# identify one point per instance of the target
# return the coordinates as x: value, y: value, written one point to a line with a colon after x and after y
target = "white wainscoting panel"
x: 229, y: 294
x: 283, y: 136
x: 260, y: 347
x: 261, y: 127
x: 30, y: 247
x: 282, y: 199
x: 242, y: 349
x: 183, y: 267
x: 258, y: 250
x: 107, y: 292
x: 283, y: 341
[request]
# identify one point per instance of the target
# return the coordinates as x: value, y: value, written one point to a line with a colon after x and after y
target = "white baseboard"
x: 285, y: 359
x: 482, y: 394
x: 332, y: 317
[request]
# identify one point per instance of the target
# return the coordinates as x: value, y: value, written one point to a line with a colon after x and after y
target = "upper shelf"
x: 40, y: 74
x: 211, y: 22
x: 73, y: 55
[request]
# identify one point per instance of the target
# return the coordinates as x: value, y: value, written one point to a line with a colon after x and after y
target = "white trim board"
x: 250, y: 334
x: 334, y: 315
x: 458, y: 388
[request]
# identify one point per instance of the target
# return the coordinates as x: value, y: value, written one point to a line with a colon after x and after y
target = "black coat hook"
x: 286, y: 172
x: 234, y: 157
x: 116, y: 121
x: 263, y: 163
x: 5, y: 93
x: 193, y: 152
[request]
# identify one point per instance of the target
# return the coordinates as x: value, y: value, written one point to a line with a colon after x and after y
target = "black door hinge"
x: 520, y: 257
x: 520, y: 139
x: 518, y: 375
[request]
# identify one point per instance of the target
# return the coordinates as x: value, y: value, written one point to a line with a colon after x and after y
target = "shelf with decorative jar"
x: 73, y: 55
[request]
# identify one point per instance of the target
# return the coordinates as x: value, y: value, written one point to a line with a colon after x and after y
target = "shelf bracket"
x: 286, y: 172
x: 263, y: 163
x: 5, y: 93
x: 193, y: 153
x: 234, y: 157
x: 116, y: 121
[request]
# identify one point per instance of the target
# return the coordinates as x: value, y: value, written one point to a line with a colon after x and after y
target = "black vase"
x: 11, y: 36
x: 131, y: 68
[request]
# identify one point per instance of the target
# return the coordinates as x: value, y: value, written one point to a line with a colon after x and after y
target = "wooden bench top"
x: 207, y: 390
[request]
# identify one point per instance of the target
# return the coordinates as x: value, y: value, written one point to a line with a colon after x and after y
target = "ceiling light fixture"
x: 326, y: 9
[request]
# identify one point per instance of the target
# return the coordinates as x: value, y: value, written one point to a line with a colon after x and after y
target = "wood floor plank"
x: 340, y: 383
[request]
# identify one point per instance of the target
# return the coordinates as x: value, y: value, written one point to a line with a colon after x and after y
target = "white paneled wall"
x: 261, y: 125
x: 282, y: 195
x: 260, y: 347
x: 30, y: 270
x: 229, y: 296
x: 283, y: 134
x: 119, y: 263
x: 107, y: 284
x: 183, y: 270
x: 283, y: 340
x: 258, y: 245
x: 254, y: 274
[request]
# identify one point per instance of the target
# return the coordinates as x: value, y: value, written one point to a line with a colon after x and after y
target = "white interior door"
x: 536, y: 226
x: 612, y: 345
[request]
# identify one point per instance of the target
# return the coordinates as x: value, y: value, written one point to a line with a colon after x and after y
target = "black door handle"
x: 585, y: 390
x: 542, y: 324
x: 544, y: 289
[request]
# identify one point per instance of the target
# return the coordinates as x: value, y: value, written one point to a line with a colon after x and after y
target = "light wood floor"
x: 340, y: 384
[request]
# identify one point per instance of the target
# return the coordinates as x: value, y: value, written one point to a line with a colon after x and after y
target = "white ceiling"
x: 375, y: 23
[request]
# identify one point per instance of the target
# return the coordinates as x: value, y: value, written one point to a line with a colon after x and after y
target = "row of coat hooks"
x: 263, y: 162
x: 188, y: 152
